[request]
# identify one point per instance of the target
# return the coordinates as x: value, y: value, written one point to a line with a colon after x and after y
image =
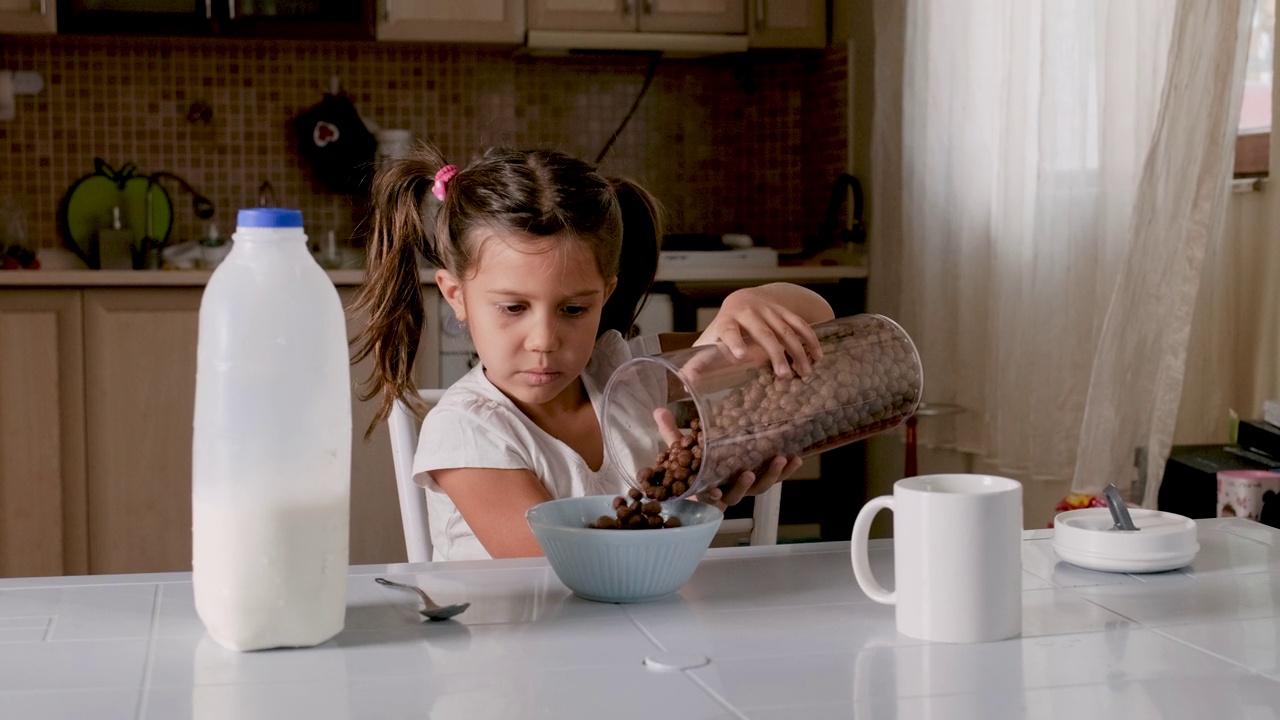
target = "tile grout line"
x: 643, y: 630
x: 1210, y: 653
x: 1229, y: 531
x: 150, y: 658
x: 714, y: 695
x: 686, y: 672
x: 1161, y: 632
x: 53, y: 622
x: 1075, y: 591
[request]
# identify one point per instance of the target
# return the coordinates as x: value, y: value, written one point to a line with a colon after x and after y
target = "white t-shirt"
x: 475, y: 426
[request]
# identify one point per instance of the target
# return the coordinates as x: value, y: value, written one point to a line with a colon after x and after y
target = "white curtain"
x: 1045, y: 176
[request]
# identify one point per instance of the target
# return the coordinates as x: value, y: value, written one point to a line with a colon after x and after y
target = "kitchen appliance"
x: 840, y: 239
x: 727, y: 251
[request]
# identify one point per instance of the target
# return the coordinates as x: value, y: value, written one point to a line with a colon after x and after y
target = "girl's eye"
x: 574, y: 310
x: 510, y: 309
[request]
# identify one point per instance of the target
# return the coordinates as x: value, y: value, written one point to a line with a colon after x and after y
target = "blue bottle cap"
x: 269, y: 218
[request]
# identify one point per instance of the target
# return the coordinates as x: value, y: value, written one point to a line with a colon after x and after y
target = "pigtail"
x: 642, y: 226
x: 391, y: 294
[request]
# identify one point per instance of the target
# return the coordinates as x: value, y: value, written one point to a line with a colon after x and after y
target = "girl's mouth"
x: 539, y: 377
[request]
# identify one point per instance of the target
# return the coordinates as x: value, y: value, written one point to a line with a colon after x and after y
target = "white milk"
x: 270, y: 573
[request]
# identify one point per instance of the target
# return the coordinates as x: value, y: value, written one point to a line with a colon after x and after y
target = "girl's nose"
x: 543, y: 337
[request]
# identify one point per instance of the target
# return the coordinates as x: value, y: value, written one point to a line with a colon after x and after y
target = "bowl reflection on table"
x: 622, y: 566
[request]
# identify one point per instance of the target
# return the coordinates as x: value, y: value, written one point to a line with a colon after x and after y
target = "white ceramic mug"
x: 957, y: 557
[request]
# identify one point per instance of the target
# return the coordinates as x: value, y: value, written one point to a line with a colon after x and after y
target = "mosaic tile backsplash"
x: 747, y: 143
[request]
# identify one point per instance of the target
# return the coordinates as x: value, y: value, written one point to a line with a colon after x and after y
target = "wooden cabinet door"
x: 452, y: 21
x: 692, y: 16
x: 376, y: 533
x: 140, y: 380
x: 603, y: 15
x: 140, y: 351
x: 28, y: 16
x: 376, y: 536
x: 788, y: 24
x: 42, y: 454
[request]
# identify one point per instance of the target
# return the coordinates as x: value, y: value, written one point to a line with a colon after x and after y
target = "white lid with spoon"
x: 1097, y: 538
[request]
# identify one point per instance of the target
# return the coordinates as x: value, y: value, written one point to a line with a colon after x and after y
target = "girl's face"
x: 533, y: 315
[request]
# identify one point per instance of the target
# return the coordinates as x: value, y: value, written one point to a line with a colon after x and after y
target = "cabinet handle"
x: 231, y: 9
x: 44, y: 7
x: 626, y: 7
x: 208, y: 9
x: 760, y: 12
x: 386, y: 10
x: 647, y: 6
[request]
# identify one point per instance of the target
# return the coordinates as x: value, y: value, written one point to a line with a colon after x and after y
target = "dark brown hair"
x: 538, y: 194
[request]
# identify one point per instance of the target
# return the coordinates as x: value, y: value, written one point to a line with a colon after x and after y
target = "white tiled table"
x: 786, y: 630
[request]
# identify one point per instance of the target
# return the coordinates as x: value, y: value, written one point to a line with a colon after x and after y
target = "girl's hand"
x: 731, y: 492
x: 777, y: 317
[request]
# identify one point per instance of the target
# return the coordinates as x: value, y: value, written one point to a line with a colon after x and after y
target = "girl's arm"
x: 493, y: 502
x: 777, y: 317
x: 806, y: 304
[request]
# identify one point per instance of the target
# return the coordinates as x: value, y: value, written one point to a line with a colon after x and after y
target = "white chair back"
x: 413, y: 499
x: 762, y: 526
x: 764, y: 518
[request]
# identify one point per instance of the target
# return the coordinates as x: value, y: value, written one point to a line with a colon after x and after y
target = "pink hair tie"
x: 443, y: 176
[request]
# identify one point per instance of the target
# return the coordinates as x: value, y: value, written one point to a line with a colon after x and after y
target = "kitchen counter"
x: 197, y: 278
x: 766, y: 632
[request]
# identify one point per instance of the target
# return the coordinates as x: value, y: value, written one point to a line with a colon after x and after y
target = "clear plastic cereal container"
x: 729, y: 415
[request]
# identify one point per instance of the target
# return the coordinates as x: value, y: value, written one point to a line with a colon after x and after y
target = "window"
x: 1253, y: 144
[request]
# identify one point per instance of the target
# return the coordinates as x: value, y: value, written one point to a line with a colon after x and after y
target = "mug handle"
x: 858, y: 551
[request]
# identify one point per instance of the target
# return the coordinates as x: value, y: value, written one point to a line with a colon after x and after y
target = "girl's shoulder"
x: 473, y: 425
x: 473, y: 395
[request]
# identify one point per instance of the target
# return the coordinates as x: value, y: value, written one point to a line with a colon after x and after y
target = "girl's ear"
x: 610, y: 286
x: 451, y: 291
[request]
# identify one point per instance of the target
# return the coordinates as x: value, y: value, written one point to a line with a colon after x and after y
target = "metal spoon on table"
x: 1119, y: 511
x: 430, y: 610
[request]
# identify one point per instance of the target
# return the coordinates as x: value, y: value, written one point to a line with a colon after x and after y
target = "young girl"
x: 547, y: 263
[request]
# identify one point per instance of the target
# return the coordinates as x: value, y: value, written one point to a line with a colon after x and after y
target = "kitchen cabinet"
x: 42, y: 441
x: 28, y: 16
x: 656, y: 16
x: 351, y: 19
x: 376, y: 534
x: 452, y: 21
x: 787, y: 23
x: 140, y: 374
x: 97, y: 399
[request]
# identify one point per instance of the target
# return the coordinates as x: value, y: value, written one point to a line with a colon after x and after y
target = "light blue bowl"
x: 622, y: 566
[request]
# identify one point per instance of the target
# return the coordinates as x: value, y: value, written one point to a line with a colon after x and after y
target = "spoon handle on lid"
x: 1119, y: 511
